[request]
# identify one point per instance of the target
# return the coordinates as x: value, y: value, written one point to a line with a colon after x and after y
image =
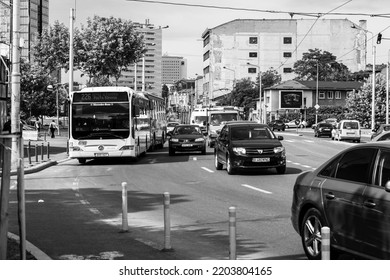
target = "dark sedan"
x: 277, y: 125
x: 186, y: 138
x: 323, y: 129
x: 350, y: 194
x: 248, y: 145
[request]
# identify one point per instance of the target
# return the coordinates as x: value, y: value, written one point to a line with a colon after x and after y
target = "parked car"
x: 249, y: 145
x: 323, y: 129
x: 381, y: 128
x: 347, y: 130
x: 277, y: 125
x: 384, y: 136
x: 350, y: 194
x: 171, y: 126
x: 332, y: 121
x: 296, y: 124
x: 186, y: 138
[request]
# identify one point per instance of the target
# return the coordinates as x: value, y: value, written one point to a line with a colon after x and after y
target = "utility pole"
x: 15, y: 79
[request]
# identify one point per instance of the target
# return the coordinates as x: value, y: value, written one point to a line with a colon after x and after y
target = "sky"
x: 187, y: 23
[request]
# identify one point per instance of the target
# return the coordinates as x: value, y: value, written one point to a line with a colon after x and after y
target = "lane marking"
x: 256, y: 189
x: 208, y: 170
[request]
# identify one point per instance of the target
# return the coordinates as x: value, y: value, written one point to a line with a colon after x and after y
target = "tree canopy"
x: 328, y: 68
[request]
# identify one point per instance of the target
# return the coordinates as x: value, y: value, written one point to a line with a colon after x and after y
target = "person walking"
x: 52, y: 128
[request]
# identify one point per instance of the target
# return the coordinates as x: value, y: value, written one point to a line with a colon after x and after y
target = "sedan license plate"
x: 260, y: 160
x: 101, y: 154
x: 186, y: 145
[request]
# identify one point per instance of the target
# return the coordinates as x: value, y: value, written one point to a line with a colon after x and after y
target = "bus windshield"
x: 219, y: 118
x: 100, y: 120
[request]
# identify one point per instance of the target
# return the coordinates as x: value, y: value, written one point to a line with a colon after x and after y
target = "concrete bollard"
x: 232, y: 233
x: 167, y: 223
x: 125, y: 226
x: 325, y: 243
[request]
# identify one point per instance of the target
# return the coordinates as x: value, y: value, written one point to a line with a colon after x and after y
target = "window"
x: 287, y: 54
x: 330, y: 94
x: 252, y: 40
x: 337, y: 94
x: 206, y: 55
x: 287, y: 70
x: 253, y: 54
x: 252, y: 70
x: 287, y: 40
x: 383, y: 169
x: 321, y: 95
x: 355, y: 165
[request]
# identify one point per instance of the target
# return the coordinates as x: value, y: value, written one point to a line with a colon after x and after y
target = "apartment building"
x: 34, y: 17
x: 244, y: 47
x: 174, y: 68
x: 147, y: 73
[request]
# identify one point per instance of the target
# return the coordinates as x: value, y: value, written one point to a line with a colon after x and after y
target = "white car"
x: 295, y: 124
x: 171, y: 126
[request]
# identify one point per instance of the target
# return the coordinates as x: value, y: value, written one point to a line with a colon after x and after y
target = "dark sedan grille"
x: 253, y: 151
x: 186, y: 140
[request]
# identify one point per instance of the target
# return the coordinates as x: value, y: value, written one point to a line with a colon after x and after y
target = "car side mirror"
x: 169, y: 133
x: 218, y: 131
x: 280, y: 138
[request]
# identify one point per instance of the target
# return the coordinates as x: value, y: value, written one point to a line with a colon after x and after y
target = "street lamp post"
x: 234, y: 79
x: 317, y: 106
x: 261, y: 119
x: 373, y: 74
x: 387, y: 87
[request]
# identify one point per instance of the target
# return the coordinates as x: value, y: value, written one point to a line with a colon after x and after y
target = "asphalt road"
x: 75, y: 211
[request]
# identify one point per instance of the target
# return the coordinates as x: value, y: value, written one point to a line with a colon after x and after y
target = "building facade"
x: 147, y: 73
x: 174, y: 68
x: 34, y: 17
x: 244, y: 47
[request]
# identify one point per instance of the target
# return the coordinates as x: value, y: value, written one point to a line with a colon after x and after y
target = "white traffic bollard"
x: 125, y: 226
x: 232, y: 233
x: 325, y: 243
x: 167, y: 223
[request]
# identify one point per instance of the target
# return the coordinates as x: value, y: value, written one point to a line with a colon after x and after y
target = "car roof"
x: 242, y: 123
x: 181, y: 125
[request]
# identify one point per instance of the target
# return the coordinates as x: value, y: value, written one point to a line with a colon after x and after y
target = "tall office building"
x: 147, y: 73
x: 34, y: 17
x: 174, y: 68
x: 244, y: 47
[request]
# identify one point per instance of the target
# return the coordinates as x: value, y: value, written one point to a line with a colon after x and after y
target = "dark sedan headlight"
x: 199, y: 140
x: 239, y: 151
x: 279, y: 150
x: 175, y: 140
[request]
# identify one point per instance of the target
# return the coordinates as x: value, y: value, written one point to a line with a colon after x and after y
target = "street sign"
x: 317, y: 106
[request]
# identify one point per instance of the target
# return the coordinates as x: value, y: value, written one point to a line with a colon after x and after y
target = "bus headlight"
x: 76, y: 148
x: 128, y: 147
x: 239, y: 151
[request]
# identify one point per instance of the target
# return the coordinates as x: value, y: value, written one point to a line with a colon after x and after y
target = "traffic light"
x: 379, y: 38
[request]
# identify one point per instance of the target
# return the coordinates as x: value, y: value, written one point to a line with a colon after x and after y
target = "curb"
x: 33, y: 250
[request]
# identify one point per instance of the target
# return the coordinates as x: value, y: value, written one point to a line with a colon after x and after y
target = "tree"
x: 328, y: 68
x: 359, y: 103
x: 51, y: 49
x: 107, y: 46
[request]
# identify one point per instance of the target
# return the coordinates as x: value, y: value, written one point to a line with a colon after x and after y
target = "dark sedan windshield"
x: 251, y: 133
x: 185, y: 130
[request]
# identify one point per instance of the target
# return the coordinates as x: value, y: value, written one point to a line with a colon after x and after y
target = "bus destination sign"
x: 100, y: 97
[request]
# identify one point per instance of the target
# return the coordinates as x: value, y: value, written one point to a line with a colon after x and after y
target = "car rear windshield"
x: 351, y: 125
x: 247, y: 133
x: 325, y: 125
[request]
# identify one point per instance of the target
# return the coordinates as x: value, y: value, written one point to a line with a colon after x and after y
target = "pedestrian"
x: 52, y: 128
x: 7, y: 125
x: 38, y: 125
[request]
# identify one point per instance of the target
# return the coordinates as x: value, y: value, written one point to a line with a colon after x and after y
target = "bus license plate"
x: 101, y: 154
x: 260, y: 159
x: 186, y: 145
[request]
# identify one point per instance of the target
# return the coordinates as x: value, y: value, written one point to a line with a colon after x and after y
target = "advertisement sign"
x: 290, y: 99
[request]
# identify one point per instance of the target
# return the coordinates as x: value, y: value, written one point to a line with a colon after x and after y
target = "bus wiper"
x: 101, y: 135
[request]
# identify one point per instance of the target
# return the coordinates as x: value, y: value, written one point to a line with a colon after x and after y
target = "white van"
x: 347, y: 130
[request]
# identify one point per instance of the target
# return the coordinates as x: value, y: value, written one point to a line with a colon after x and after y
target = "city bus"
x: 113, y: 122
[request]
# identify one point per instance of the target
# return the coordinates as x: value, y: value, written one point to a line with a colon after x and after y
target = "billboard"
x: 291, y: 99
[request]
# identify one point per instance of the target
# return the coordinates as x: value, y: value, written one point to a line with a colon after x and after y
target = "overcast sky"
x: 186, y: 23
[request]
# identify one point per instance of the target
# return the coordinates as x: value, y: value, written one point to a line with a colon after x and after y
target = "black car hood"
x: 188, y: 136
x: 263, y: 143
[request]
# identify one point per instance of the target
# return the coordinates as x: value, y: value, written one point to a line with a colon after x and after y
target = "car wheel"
x: 281, y: 169
x: 171, y: 152
x: 82, y: 160
x: 311, y: 233
x: 218, y: 165
x: 229, y: 168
